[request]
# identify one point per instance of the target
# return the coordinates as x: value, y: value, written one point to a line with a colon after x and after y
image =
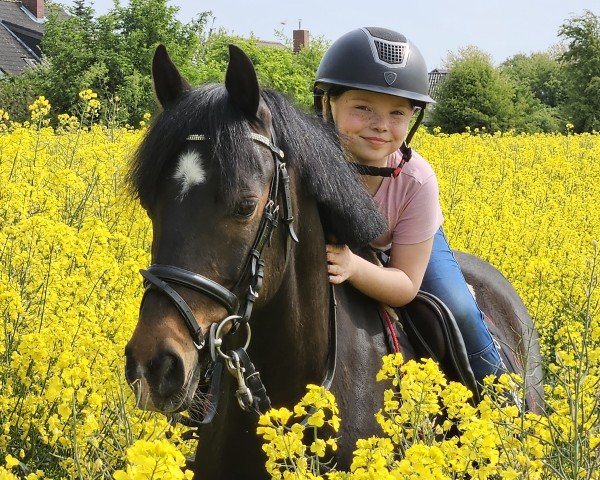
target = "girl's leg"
x: 444, y: 279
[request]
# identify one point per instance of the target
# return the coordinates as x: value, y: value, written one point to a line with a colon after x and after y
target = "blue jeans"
x: 444, y: 279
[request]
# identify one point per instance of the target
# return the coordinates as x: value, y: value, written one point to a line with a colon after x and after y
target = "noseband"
x: 161, y: 277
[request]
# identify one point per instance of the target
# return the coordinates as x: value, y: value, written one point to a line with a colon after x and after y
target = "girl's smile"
x: 375, y: 140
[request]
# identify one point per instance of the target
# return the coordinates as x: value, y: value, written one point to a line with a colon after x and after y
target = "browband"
x: 252, y: 135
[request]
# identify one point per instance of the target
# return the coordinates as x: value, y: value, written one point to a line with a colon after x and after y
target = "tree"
x: 277, y: 67
x: 17, y: 92
x: 473, y: 94
x: 582, y: 58
x: 541, y: 73
x: 539, y: 85
x: 112, y: 54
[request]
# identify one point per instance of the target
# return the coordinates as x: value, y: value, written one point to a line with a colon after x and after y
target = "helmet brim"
x: 325, y: 84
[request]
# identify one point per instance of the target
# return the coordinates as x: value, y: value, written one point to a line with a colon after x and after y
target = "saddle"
x: 432, y: 330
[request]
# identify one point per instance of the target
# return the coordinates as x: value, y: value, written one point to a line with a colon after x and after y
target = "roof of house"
x: 14, y: 56
x: 19, y: 35
x: 270, y: 43
x: 11, y: 11
x: 435, y: 78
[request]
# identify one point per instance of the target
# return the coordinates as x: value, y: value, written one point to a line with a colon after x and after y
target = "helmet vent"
x: 391, y: 53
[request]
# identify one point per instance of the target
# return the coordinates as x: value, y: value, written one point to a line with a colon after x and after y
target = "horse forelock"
x: 228, y: 153
x: 311, y: 148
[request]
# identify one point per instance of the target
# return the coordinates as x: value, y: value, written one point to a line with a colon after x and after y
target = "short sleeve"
x: 421, y: 216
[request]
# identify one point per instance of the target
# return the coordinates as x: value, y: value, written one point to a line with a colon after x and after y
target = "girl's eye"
x: 398, y: 112
x: 245, y: 208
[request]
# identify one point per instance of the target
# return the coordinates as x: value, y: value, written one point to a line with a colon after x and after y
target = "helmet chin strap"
x: 404, y: 148
x: 415, y: 126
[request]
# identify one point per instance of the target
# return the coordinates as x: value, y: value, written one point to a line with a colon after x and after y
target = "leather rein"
x: 251, y: 393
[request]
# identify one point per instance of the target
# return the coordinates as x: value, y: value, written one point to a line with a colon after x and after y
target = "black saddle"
x: 433, y: 333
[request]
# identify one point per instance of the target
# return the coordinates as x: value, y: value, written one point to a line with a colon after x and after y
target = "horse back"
x: 512, y: 324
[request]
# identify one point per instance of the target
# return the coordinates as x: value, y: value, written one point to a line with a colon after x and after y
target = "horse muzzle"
x: 162, y: 383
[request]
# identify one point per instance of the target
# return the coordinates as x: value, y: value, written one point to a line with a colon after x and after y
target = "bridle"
x: 251, y: 393
x: 159, y: 276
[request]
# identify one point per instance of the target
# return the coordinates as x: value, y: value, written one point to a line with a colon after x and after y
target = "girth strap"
x: 332, y: 351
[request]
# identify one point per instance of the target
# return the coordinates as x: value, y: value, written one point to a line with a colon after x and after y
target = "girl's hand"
x: 341, y: 263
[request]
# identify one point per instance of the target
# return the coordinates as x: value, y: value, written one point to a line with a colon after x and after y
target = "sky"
x: 500, y: 28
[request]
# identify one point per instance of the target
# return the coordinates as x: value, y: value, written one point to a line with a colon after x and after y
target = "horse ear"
x: 169, y: 85
x: 241, y: 82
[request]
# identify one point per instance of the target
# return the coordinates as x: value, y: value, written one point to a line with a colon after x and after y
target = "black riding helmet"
x: 378, y: 60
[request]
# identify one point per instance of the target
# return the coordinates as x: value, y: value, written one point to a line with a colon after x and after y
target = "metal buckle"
x: 243, y: 393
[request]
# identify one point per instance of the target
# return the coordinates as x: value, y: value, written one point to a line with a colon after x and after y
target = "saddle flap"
x: 433, y: 332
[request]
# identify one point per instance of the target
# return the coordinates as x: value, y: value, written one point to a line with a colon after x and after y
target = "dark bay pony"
x: 209, y: 173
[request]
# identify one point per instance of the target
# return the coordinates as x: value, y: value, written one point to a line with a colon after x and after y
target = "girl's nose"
x: 378, y: 122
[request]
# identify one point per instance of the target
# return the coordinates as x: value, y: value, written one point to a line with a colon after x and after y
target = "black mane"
x: 311, y: 149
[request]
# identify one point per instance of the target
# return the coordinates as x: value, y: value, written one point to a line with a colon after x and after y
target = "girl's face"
x: 371, y: 125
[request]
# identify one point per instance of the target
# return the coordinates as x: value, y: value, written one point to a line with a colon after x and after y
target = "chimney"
x: 300, y: 40
x: 36, y: 7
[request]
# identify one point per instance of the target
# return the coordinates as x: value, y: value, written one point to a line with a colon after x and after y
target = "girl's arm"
x: 394, y: 285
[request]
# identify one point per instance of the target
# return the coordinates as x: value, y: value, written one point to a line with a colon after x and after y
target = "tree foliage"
x: 539, y: 86
x: 474, y: 94
x: 112, y: 54
x: 582, y: 58
x: 17, y: 92
x: 541, y: 73
x: 277, y: 67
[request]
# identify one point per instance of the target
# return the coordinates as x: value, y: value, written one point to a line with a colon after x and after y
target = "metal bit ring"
x: 216, y: 337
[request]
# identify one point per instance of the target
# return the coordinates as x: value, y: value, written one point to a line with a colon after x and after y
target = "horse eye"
x: 245, y: 208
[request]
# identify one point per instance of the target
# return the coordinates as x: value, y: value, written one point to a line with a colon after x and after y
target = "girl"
x: 370, y: 83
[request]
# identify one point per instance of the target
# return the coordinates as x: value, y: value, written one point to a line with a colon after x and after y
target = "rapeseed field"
x: 71, y: 244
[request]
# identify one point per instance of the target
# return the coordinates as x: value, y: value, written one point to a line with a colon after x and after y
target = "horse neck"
x: 292, y: 331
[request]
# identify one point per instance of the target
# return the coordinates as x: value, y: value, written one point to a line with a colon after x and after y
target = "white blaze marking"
x: 189, y: 171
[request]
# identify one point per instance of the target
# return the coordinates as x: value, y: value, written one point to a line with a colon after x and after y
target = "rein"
x: 251, y: 393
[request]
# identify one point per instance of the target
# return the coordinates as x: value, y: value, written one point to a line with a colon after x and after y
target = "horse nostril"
x: 132, y: 368
x: 166, y: 374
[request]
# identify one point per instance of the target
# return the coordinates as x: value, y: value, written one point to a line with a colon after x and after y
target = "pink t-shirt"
x: 409, y: 202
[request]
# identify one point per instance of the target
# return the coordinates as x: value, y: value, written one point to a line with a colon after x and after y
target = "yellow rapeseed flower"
x: 72, y: 242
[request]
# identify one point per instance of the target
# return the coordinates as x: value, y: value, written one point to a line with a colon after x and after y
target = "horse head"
x: 206, y: 211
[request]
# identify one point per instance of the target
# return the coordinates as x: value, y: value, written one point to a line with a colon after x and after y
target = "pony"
x: 219, y: 169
